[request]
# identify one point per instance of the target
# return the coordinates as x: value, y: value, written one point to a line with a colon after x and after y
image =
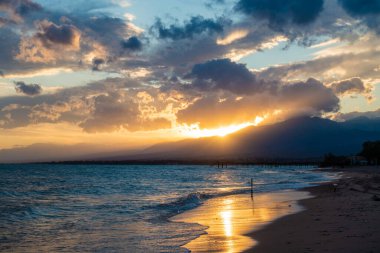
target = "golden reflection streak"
x: 230, y: 218
x: 227, y: 222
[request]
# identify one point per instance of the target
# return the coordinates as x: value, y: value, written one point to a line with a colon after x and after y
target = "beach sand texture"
x: 345, y: 221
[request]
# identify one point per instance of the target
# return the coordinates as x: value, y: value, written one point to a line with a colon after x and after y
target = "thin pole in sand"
x: 251, y: 188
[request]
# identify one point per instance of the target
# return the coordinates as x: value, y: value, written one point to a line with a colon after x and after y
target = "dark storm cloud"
x: 280, y: 13
x: 361, y: 8
x: 133, y: 43
x: 28, y: 89
x: 190, y: 28
x: 226, y: 75
x: 368, y: 11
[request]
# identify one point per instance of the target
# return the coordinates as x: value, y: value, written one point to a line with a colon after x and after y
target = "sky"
x: 131, y: 73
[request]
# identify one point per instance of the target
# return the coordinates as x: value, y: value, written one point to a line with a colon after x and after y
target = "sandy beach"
x: 347, y: 220
x: 314, y: 219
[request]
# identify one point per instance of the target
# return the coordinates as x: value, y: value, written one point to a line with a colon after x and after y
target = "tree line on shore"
x: 369, y: 155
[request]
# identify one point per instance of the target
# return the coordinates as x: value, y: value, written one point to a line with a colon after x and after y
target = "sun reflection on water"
x: 230, y: 218
x: 227, y: 222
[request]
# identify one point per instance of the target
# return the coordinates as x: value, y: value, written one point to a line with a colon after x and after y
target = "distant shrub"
x: 371, y: 151
x: 333, y: 160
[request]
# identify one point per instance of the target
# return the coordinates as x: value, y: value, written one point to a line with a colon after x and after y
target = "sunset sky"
x: 136, y: 72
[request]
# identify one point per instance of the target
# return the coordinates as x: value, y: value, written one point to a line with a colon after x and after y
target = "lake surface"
x: 121, y: 208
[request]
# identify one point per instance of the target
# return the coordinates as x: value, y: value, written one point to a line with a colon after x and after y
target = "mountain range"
x: 298, y: 138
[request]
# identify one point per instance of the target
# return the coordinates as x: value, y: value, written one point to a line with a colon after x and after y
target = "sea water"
x: 121, y: 208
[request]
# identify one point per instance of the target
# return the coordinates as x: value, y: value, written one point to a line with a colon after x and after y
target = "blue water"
x: 120, y: 208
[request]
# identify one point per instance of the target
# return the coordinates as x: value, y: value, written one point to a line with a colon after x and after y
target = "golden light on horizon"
x: 195, y: 131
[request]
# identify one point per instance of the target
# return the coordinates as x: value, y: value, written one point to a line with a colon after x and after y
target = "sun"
x: 195, y: 131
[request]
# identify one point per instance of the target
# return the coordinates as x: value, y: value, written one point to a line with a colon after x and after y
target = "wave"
x: 191, y: 201
x: 195, y: 199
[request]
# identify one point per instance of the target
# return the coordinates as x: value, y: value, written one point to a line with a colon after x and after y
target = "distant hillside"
x: 45, y: 152
x: 363, y: 123
x: 298, y: 138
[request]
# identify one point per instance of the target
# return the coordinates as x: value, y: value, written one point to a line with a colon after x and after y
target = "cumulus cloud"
x: 248, y: 35
x: 311, y: 94
x: 64, y: 34
x: 302, y: 98
x: 16, y: 10
x: 229, y: 93
x: 104, y: 106
x: 28, y: 89
x: 116, y: 111
x: 342, y: 62
x: 195, y: 26
x: 133, y: 43
x: 50, y: 43
x: 279, y: 13
x: 71, y: 40
x: 225, y: 74
x: 350, y: 86
x: 190, y: 64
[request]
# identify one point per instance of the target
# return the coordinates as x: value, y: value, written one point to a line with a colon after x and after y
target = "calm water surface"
x: 120, y: 208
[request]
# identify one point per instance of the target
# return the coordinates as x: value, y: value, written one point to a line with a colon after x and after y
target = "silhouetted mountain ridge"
x: 297, y: 138
x: 363, y: 123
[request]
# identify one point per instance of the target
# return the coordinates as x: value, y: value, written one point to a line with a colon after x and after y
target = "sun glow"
x: 195, y: 131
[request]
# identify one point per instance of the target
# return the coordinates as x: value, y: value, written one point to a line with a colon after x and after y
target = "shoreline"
x: 229, y: 219
x: 345, y: 220
x: 320, y: 220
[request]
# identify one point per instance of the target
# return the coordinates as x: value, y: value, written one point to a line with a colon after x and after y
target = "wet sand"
x: 347, y: 220
x: 230, y: 218
x: 314, y: 219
